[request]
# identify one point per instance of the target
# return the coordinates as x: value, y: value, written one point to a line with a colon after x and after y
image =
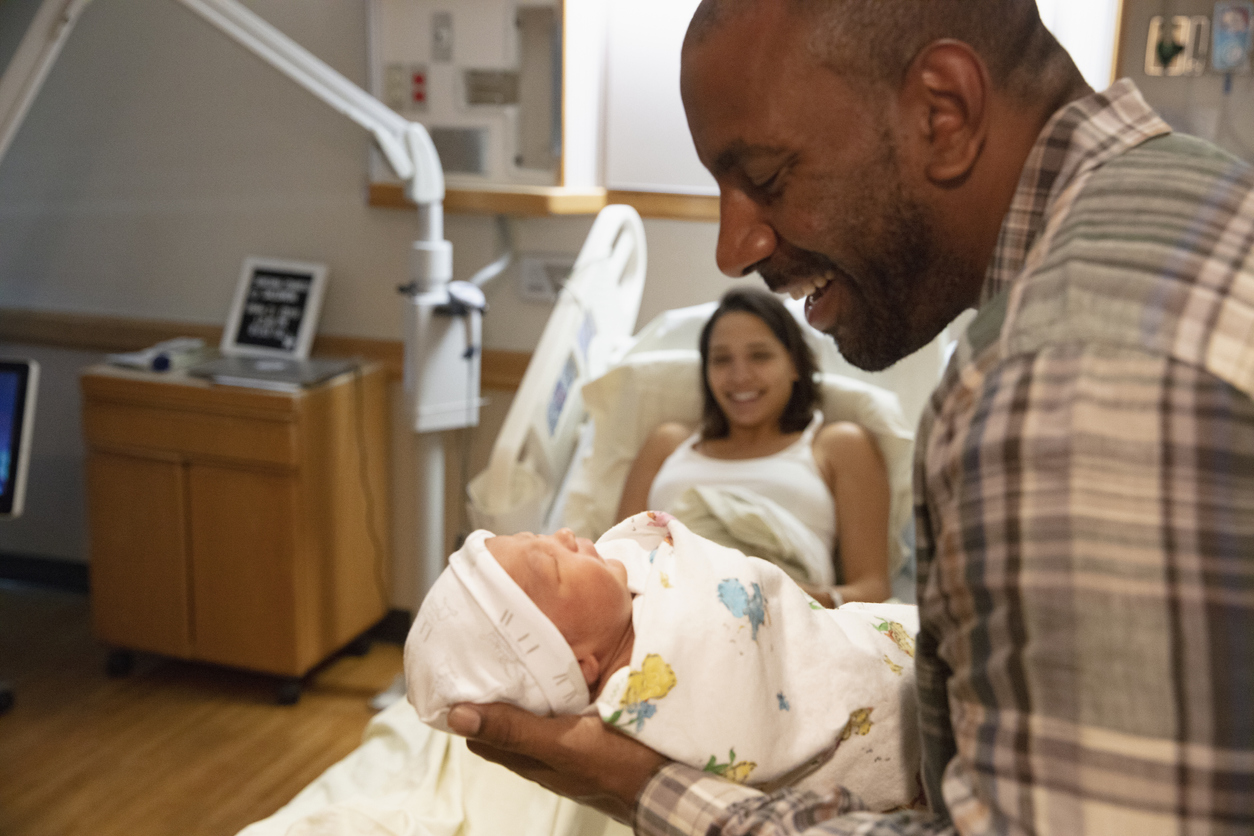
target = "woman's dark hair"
x: 766, y: 307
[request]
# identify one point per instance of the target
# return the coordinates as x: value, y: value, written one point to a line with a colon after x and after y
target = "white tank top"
x: 790, y: 477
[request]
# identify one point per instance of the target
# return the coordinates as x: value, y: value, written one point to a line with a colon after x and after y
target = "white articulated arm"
x: 406, y: 145
x: 426, y: 184
x: 29, y: 66
x: 603, y: 290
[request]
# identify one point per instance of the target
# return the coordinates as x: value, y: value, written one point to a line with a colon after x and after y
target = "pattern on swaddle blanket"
x: 734, y: 596
x: 661, y: 519
x: 732, y: 771
x: 859, y: 723
x: 898, y: 634
x: 654, y: 680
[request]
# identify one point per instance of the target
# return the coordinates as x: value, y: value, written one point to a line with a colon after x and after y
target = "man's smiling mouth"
x: 812, y: 286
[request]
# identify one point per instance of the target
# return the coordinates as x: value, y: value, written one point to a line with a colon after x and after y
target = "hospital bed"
x: 590, y: 396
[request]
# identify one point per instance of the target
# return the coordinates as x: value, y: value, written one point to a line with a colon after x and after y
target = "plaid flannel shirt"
x: 1084, y: 489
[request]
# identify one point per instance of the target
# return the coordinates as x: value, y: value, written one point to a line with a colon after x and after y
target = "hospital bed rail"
x: 591, y: 325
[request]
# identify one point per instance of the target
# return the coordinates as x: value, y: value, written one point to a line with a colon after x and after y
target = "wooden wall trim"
x: 92, y: 332
x: 503, y: 369
x: 539, y: 201
x: 502, y: 200
x: 682, y: 207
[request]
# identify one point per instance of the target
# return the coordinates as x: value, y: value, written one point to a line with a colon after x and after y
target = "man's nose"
x: 744, y: 237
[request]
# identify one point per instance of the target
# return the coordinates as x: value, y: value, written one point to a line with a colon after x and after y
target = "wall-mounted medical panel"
x: 510, y: 90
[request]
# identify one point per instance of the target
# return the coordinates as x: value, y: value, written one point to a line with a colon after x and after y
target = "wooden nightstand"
x: 236, y: 526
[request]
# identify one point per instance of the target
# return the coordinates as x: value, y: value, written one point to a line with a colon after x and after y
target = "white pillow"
x: 650, y: 388
x: 879, y: 412
x: 626, y: 404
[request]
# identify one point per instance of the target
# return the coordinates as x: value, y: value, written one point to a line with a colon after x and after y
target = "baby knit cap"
x: 479, y: 638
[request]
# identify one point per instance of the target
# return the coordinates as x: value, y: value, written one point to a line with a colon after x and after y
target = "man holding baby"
x: 1085, y: 471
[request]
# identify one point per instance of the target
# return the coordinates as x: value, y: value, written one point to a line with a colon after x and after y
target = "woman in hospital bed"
x: 710, y: 657
x: 763, y: 474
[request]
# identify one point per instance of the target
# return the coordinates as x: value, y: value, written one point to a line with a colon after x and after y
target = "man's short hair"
x: 876, y: 40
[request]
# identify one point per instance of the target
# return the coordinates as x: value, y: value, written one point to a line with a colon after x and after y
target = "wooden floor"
x: 174, y: 748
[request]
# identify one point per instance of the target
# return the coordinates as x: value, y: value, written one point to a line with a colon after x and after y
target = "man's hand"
x: 578, y: 757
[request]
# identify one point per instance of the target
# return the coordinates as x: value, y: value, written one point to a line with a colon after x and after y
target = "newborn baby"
x: 712, y: 658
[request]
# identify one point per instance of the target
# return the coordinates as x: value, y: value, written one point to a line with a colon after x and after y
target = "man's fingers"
x: 575, y: 756
x: 502, y: 727
x: 523, y: 765
x: 464, y: 720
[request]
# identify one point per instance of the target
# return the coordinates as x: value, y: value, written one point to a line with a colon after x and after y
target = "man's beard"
x: 906, y: 286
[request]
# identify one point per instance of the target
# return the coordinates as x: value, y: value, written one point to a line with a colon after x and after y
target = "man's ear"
x: 947, y: 89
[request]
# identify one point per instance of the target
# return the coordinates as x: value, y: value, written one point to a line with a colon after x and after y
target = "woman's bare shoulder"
x: 845, y: 440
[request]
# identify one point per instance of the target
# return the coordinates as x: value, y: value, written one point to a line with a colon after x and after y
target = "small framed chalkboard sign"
x: 276, y: 308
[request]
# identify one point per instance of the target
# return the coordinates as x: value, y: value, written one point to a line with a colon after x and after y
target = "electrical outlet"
x: 541, y: 275
x: 405, y: 87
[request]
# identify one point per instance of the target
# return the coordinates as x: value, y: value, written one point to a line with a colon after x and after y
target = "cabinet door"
x: 243, y: 575
x: 139, y: 566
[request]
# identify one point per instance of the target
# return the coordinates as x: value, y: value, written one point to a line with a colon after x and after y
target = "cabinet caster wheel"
x: 119, y: 663
x: 288, y: 692
x: 359, y: 646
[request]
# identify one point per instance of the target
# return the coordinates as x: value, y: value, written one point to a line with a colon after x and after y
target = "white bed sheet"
x: 407, y: 779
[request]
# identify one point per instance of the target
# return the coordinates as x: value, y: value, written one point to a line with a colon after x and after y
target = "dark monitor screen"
x: 18, y: 382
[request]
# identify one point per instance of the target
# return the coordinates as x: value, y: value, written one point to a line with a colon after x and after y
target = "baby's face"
x: 584, y: 595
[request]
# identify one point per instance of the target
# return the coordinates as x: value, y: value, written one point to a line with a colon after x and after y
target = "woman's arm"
x: 661, y: 443
x: 855, y: 472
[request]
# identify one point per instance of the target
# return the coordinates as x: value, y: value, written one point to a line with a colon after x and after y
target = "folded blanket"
x: 736, y: 671
x: 743, y: 519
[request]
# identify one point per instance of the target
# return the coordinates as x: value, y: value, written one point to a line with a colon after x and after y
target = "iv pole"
x: 441, y: 353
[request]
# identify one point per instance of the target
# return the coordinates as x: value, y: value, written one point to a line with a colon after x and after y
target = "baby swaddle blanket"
x: 735, y: 670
